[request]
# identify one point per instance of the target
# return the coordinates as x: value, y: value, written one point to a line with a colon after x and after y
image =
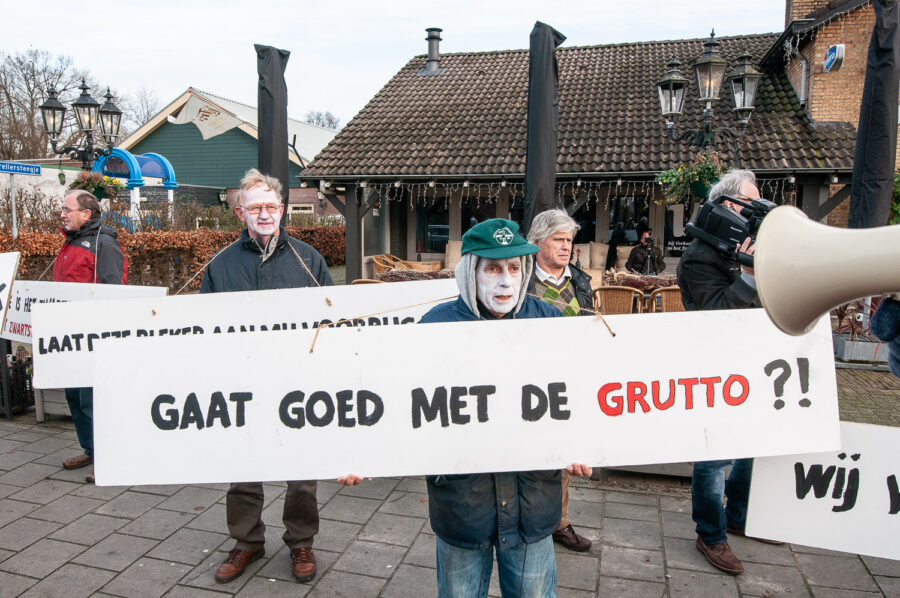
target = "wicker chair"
x: 666, y: 299
x: 618, y: 300
x: 386, y: 262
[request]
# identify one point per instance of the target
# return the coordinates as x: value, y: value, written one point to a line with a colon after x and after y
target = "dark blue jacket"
x: 475, y: 511
x: 240, y: 267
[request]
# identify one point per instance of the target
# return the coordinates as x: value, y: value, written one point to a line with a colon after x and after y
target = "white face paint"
x: 497, y: 284
x: 263, y: 225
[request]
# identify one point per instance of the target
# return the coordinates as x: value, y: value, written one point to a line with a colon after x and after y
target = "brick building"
x: 811, y: 27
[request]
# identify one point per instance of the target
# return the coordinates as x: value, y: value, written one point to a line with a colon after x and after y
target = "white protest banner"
x: 29, y: 295
x: 460, y: 397
x: 9, y: 265
x: 846, y: 500
x: 65, y: 335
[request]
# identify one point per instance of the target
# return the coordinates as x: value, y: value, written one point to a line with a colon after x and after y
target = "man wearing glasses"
x: 90, y: 254
x: 266, y: 257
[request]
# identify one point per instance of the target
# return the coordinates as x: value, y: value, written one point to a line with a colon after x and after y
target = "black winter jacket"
x: 240, y: 266
x: 710, y: 280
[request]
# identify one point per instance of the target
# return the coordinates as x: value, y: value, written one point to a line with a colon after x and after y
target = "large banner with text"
x: 66, y: 336
x: 29, y: 295
x: 846, y: 500
x: 460, y: 397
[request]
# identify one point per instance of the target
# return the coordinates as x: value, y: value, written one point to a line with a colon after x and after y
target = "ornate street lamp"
x: 709, y: 69
x: 89, y: 114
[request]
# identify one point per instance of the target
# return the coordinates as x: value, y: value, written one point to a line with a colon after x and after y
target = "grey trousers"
x: 244, y: 506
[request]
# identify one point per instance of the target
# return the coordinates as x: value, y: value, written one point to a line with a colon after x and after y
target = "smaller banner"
x: 847, y: 500
x: 9, y: 265
x: 66, y: 336
x: 28, y: 294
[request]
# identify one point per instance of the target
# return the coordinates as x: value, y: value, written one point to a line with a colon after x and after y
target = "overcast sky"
x: 342, y: 52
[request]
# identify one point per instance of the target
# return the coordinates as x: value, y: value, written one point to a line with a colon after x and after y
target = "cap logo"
x: 503, y: 236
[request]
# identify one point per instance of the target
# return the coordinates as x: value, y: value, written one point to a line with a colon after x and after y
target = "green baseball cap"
x: 496, y: 239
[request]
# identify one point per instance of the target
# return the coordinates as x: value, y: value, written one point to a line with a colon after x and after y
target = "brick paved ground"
x: 61, y: 537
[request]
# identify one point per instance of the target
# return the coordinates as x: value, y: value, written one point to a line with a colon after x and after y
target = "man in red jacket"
x: 90, y: 254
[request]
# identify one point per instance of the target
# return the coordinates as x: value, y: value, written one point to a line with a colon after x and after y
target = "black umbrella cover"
x: 272, y: 116
x: 876, y: 138
x: 543, y: 122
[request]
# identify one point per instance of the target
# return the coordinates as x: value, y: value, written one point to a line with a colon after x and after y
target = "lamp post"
x: 709, y: 69
x: 90, y: 116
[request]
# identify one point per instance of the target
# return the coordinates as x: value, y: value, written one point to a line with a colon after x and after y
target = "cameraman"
x: 709, y: 280
x: 646, y: 258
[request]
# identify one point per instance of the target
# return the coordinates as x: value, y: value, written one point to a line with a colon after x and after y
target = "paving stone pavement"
x: 62, y: 537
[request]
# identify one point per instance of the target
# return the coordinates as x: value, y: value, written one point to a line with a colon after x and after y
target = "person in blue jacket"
x: 514, y: 512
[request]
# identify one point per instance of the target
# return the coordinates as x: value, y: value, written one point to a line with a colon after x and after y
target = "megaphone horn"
x: 804, y: 269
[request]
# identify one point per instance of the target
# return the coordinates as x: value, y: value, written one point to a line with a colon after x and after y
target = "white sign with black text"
x: 846, y: 500
x: 65, y: 336
x: 29, y: 295
x: 9, y: 265
x: 459, y: 397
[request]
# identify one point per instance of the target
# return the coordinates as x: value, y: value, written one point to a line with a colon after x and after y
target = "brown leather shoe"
x: 303, y: 563
x: 89, y: 478
x: 81, y: 460
x: 568, y: 538
x: 720, y: 556
x: 738, y: 531
x: 233, y: 566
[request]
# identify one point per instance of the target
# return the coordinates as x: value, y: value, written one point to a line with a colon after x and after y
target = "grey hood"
x: 465, y: 280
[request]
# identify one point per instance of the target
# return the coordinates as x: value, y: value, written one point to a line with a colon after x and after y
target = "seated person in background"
x: 638, y: 260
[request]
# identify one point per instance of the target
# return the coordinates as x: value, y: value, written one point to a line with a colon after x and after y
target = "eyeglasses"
x: 257, y: 209
x: 68, y: 211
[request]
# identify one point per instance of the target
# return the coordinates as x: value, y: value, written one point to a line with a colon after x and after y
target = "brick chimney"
x: 801, y: 9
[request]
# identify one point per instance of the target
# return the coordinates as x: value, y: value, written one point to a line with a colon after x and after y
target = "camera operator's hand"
x: 747, y: 247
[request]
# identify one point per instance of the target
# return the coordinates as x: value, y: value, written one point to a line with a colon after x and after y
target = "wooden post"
x: 352, y: 234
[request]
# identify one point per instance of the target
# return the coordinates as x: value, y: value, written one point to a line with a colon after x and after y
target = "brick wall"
x: 799, y: 9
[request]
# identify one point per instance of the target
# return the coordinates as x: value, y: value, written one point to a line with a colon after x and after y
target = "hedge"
x: 162, y: 258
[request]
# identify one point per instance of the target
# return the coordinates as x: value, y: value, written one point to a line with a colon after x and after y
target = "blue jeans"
x: 707, y: 489
x: 526, y: 571
x: 81, y: 405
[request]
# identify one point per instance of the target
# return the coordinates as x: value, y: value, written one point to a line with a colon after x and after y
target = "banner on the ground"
x: 846, y: 500
x: 30, y: 295
x: 9, y: 265
x: 66, y: 336
x: 460, y: 397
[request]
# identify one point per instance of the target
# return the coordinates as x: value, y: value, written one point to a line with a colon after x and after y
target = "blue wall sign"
x: 18, y: 168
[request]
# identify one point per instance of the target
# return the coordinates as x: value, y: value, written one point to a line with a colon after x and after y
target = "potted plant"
x: 94, y: 182
x: 691, y: 179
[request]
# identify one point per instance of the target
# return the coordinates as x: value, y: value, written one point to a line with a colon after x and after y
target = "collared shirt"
x: 544, y: 276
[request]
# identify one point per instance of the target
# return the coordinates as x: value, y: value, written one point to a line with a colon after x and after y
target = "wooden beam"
x: 352, y: 235
x: 334, y: 200
x: 834, y: 201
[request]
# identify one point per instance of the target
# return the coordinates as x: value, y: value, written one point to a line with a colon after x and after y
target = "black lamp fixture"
x: 90, y: 116
x: 709, y: 69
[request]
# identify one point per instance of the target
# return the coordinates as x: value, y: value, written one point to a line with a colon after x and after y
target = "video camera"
x: 725, y: 229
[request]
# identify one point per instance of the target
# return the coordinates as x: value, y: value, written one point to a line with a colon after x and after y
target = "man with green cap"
x: 516, y: 512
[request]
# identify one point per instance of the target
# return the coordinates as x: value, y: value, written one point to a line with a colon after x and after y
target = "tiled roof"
x: 471, y: 119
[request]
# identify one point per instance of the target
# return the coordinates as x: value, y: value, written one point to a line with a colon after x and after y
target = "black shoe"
x: 568, y: 538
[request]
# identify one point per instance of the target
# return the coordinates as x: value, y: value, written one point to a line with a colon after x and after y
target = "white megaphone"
x: 804, y: 269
